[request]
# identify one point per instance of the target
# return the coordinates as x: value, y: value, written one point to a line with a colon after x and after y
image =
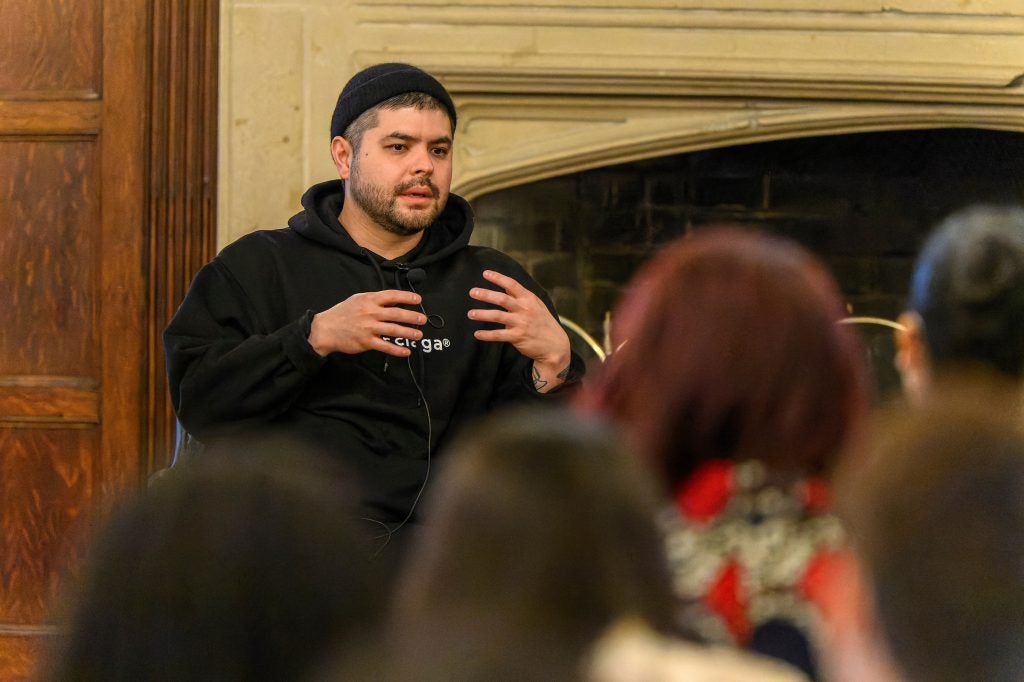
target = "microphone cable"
x: 414, y: 275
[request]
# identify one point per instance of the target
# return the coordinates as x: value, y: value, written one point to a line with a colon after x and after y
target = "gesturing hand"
x: 357, y: 324
x: 527, y: 324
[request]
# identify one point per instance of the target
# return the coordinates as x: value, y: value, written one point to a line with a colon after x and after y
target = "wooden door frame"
x: 181, y: 195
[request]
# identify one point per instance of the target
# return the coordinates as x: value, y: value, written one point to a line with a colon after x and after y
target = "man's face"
x: 402, y: 172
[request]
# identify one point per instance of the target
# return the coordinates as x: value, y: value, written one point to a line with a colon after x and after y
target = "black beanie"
x: 374, y: 84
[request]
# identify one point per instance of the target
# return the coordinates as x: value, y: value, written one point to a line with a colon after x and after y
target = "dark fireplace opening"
x: 864, y: 202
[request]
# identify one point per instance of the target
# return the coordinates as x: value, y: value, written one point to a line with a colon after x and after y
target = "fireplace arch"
x: 520, y: 140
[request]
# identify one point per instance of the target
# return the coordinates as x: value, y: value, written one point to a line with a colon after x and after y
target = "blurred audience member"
x: 542, y: 535
x: 735, y: 382
x: 935, y: 512
x: 244, y: 572
x: 632, y: 652
x: 966, y: 303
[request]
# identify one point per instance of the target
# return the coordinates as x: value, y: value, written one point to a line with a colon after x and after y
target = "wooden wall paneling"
x: 51, y: 50
x: 182, y: 192
x: 49, y: 202
x: 48, y: 399
x: 47, y: 493
x: 107, y: 186
x: 73, y: 98
x: 122, y: 231
x: 19, y: 653
x: 50, y: 207
x: 47, y: 485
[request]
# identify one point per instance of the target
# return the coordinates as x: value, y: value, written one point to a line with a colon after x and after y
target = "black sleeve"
x: 516, y: 384
x: 226, y: 373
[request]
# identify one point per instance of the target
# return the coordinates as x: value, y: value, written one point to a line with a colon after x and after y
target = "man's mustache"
x: 401, y: 189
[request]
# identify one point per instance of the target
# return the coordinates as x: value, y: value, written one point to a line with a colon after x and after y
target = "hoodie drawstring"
x: 404, y: 269
x: 399, y: 269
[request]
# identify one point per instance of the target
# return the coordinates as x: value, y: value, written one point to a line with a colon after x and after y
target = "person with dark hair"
x: 542, y: 537
x: 369, y: 326
x: 734, y: 381
x: 935, y: 514
x: 965, y: 310
x: 252, y: 571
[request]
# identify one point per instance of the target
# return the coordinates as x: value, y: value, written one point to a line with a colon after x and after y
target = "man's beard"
x: 381, y: 205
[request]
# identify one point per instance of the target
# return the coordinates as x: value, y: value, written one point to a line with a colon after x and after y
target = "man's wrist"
x: 550, y: 374
x: 313, y: 337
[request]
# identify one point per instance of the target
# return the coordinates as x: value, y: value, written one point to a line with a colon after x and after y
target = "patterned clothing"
x: 750, y: 553
x: 631, y: 652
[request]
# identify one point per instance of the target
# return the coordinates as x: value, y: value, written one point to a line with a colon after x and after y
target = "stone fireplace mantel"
x: 548, y: 88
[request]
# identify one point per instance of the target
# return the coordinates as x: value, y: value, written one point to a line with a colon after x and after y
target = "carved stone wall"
x: 549, y: 88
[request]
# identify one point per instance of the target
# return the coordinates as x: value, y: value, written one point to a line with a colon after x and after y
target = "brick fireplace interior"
x: 863, y: 202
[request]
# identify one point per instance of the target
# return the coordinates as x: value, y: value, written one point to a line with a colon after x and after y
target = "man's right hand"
x: 357, y: 324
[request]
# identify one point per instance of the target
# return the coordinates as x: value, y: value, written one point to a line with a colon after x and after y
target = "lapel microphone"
x: 418, y: 276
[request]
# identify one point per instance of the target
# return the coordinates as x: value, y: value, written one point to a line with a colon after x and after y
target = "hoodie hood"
x: 319, y: 222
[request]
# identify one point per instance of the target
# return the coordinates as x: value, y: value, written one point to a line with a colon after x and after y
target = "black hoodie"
x: 239, y: 362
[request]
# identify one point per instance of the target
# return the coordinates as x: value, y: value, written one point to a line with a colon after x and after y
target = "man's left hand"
x: 527, y: 324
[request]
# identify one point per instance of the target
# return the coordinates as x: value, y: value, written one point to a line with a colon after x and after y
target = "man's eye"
x: 398, y: 146
x: 441, y: 151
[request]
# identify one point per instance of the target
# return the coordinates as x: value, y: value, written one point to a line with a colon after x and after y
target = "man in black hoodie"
x: 369, y: 327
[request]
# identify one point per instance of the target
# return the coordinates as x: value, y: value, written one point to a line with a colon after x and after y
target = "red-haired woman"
x: 735, y: 381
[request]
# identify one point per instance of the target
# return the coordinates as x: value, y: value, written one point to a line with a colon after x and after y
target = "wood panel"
x: 20, y: 649
x: 123, y: 169
x: 107, y: 186
x: 47, y: 484
x: 183, y: 193
x: 73, y: 104
x: 50, y: 49
x: 50, y: 118
x: 49, y: 400
x: 50, y: 210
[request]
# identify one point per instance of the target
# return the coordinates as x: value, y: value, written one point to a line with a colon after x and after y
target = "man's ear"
x: 341, y: 152
x: 912, y: 358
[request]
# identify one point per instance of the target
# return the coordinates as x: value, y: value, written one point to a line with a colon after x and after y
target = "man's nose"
x: 423, y: 162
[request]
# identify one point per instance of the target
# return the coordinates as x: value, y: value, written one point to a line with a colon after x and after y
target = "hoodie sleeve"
x: 516, y: 384
x: 225, y: 373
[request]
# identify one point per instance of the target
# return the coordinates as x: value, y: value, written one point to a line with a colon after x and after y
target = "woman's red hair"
x: 728, y: 347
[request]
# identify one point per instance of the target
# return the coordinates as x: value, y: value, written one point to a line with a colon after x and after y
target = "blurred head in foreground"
x: 542, y: 534
x: 936, y: 515
x: 966, y: 304
x: 242, y: 571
